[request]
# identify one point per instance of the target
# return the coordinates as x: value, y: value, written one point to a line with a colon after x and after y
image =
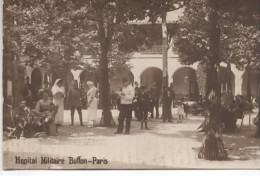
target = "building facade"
x: 147, y: 69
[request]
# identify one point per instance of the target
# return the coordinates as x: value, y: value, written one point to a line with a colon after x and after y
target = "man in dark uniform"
x: 166, y: 101
x: 74, y: 100
x: 155, y: 95
x: 135, y: 107
x: 142, y: 103
x: 172, y: 97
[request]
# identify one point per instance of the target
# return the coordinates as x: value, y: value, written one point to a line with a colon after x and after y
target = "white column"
x: 76, y: 74
x: 28, y: 72
x: 238, y: 80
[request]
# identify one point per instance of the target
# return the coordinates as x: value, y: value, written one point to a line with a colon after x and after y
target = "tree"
x: 159, y: 8
x: 109, y: 17
x: 238, y: 38
x: 56, y: 35
x: 218, y: 40
x: 257, y: 134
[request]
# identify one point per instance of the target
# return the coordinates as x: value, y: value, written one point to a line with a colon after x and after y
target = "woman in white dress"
x: 92, y: 103
x: 58, y: 92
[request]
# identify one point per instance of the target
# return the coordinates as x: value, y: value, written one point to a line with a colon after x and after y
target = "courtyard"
x: 164, y: 146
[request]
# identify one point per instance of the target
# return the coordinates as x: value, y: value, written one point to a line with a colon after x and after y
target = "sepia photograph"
x: 130, y: 84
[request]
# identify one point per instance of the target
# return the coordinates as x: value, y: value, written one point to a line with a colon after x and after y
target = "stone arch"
x: 85, y: 76
x: 54, y: 76
x: 116, y: 81
x: 151, y: 75
x: 185, y: 83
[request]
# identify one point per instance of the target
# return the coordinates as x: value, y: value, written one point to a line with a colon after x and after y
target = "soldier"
x: 74, y: 100
x: 142, y: 103
x: 166, y: 100
x: 155, y: 96
x: 135, y: 106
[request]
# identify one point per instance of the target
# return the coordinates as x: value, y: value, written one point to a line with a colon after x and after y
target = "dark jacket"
x: 155, y: 94
x: 143, y: 101
x: 74, y: 97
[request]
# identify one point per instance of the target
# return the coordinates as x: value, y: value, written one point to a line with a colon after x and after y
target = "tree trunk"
x: 64, y: 78
x: 164, y: 60
x: 258, y: 122
x: 257, y: 134
x: 15, y: 83
x: 248, y: 86
x: 213, y: 147
x: 105, y: 37
x: 212, y: 82
x: 106, y: 119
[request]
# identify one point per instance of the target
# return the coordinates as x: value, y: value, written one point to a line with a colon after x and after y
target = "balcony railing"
x: 156, y: 49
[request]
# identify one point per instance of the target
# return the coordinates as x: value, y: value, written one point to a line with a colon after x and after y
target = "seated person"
x: 44, y: 103
x: 21, y: 119
x: 44, y: 112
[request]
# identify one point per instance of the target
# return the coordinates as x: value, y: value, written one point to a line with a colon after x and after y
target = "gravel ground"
x: 165, y: 146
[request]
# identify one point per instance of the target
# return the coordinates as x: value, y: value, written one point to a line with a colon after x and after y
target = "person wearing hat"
x: 92, y: 95
x: 142, y: 103
x: 58, y: 93
x: 155, y: 96
x: 74, y: 100
x: 126, y: 100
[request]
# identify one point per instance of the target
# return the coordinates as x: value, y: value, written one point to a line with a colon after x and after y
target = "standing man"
x: 166, y: 100
x: 135, y: 107
x: 172, y: 97
x: 74, y: 100
x: 142, y: 103
x: 155, y: 96
x: 126, y: 101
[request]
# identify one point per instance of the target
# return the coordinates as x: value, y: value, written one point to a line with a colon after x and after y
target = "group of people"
x: 143, y: 101
x: 152, y: 100
x: 229, y: 108
x: 46, y: 112
x: 138, y: 99
x: 74, y: 100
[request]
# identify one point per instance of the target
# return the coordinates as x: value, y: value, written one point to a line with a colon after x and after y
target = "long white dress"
x: 58, y: 100
x: 92, y: 106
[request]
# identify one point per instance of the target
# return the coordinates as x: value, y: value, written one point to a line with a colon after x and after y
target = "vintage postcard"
x: 140, y: 84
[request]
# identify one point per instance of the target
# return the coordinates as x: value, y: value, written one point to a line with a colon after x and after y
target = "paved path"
x: 166, y: 145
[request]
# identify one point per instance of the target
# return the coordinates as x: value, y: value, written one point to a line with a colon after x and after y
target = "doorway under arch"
x: 36, y: 82
x: 185, y: 84
x: 86, y: 76
x: 227, y: 80
x: 116, y: 82
x: 151, y: 75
